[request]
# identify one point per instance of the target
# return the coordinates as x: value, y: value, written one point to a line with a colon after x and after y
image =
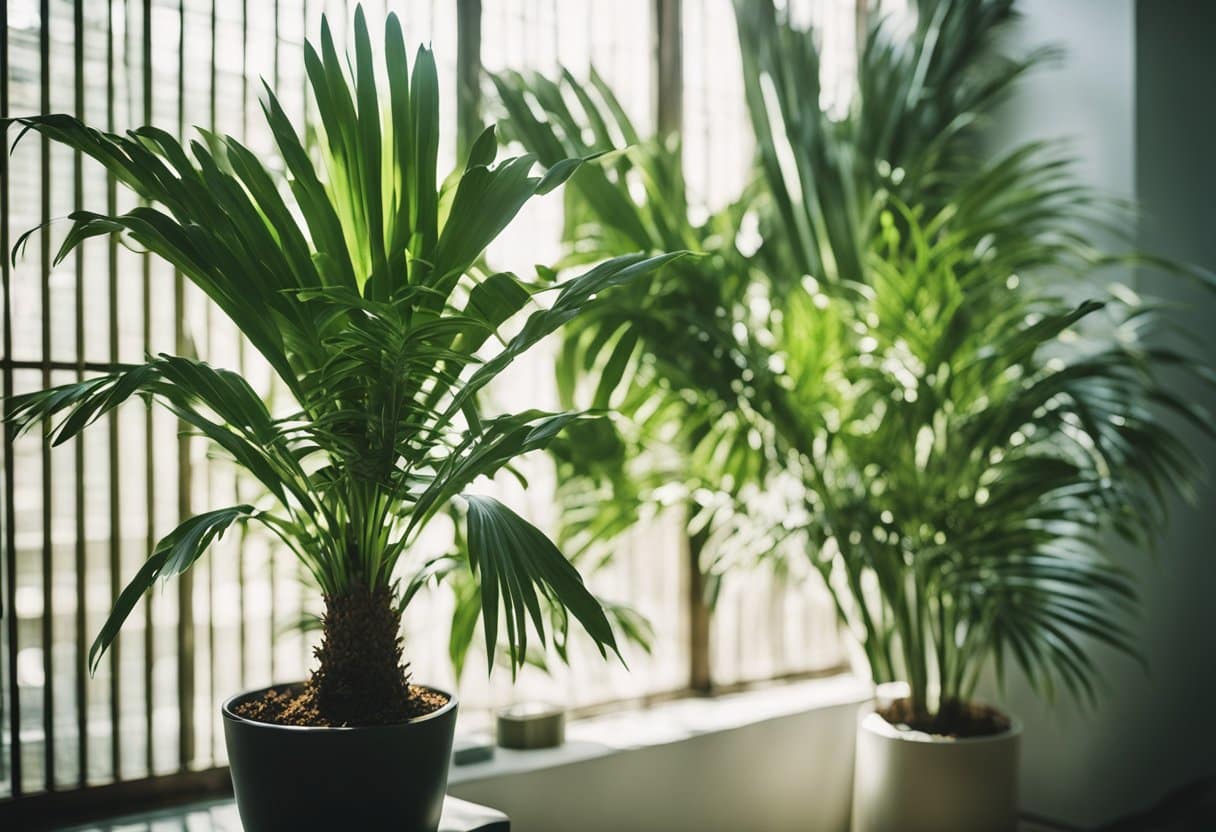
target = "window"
x: 78, y: 520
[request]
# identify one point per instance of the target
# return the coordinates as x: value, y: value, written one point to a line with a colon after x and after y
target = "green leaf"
x: 484, y: 149
x: 435, y: 569
x: 516, y: 560
x: 174, y: 554
x: 464, y: 624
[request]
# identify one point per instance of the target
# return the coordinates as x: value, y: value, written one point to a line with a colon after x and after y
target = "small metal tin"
x: 531, y: 725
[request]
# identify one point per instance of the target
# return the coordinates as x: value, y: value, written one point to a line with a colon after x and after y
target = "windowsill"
x: 669, y: 722
x: 608, y: 737
x: 825, y: 805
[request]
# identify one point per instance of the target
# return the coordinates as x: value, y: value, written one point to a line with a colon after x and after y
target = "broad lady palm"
x: 358, y: 281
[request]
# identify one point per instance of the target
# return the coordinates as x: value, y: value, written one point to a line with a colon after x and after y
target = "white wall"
x: 1154, y: 731
x: 1088, y: 96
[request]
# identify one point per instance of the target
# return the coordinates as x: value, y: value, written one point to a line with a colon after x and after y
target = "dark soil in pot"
x: 953, y: 719
x: 297, y: 705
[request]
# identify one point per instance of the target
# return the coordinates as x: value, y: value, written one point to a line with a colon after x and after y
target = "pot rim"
x: 876, y: 724
x: 228, y: 713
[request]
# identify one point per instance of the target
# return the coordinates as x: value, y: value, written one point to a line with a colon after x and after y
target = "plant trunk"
x: 700, y: 674
x: 360, y: 678
x: 700, y: 678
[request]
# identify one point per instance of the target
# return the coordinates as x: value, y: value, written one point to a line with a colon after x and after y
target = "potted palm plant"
x: 975, y: 418
x: 675, y: 356
x: 357, y: 279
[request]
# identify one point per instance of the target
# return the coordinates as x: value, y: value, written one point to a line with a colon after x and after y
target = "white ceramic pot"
x: 908, y: 781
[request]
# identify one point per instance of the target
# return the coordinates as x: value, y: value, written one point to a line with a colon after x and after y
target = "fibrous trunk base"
x: 360, y: 678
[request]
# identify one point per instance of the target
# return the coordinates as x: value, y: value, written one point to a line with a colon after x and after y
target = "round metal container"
x: 531, y: 725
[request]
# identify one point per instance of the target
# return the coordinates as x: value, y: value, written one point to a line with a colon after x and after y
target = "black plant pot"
x: 389, y: 777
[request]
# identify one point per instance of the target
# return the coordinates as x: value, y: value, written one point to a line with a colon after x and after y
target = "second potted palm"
x: 970, y: 430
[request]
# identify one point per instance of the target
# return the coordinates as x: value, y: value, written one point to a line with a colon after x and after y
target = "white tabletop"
x: 221, y: 816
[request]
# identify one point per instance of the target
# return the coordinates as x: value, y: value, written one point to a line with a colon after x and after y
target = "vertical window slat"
x: 44, y: 250
x: 150, y: 599
x: 10, y: 512
x: 115, y: 559
x: 81, y: 562
x: 213, y: 690
x: 185, y: 589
